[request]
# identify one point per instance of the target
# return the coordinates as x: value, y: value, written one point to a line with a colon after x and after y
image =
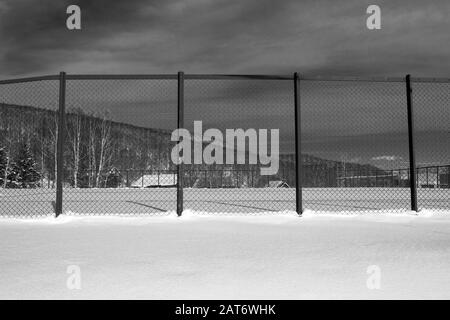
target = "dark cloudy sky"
x: 359, y: 122
x: 225, y: 36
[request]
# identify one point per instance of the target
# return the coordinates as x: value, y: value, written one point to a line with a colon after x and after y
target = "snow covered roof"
x: 278, y: 184
x: 151, y: 180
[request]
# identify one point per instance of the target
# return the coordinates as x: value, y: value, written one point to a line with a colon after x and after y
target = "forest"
x: 100, y: 152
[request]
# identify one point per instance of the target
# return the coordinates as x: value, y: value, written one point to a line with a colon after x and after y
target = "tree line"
x: 99, y: 151
x: 96, y: 148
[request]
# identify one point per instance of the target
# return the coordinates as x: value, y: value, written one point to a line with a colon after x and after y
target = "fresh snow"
x: 157, y: 201
x: 201, y: 256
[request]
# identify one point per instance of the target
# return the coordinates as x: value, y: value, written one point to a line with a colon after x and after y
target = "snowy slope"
x: 219, y: 257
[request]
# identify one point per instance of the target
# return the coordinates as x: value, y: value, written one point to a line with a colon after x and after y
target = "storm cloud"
x: 225, y: 36
x: 363, y: 121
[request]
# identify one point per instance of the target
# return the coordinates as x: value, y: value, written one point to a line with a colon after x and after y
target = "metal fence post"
x: 448, y: 177
x: 412, y: 155
x: 437, y: 176
x: 298, y: 149
x: 180, y: 124
x: 60, y: 144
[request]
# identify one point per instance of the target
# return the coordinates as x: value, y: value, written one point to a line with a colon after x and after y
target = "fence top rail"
x: 121, y: 77
x: 244, y: 77
x: 430, y: 80
x: 29, y: 79
x: 174, y: 77
x: 237, y: 77
x: 222, y: 77
x: 354, y: 79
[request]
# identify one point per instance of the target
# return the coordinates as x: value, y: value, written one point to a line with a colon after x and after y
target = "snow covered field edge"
x: 198, y: 256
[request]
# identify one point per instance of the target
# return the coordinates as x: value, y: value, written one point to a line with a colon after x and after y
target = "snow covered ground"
x: 157, y: 201
x: 269, y: 256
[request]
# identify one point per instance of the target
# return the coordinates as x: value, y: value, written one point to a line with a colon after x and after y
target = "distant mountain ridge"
x: 95, y: 144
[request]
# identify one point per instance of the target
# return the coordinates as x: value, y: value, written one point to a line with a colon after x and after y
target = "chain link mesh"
x: 28, y: 134
x: 354, y: 145
x: 240, y: 104
x: 431, y: 103
x: 117, y: 151
x: 117, y: 154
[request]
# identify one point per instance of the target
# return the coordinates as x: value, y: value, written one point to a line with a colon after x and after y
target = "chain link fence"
x: 253, y: 105
x: 28, y: 147
x: 353, y: 134
x: 116, y: 144
x: 431, y: 100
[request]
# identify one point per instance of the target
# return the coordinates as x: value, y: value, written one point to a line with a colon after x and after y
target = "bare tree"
x: 99, y: 147
x: 105, y: 145
x: 8, y: 148
x: 8, y: 139
x: 53, y: 129
x: 91, y: 151
x: 74, y: 128
x: 42, y: 146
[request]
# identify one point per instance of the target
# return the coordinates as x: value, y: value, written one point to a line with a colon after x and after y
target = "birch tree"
x: 8, y: 138
x: 53, y: 129
x: 74, y: 129
x: 105, y: 145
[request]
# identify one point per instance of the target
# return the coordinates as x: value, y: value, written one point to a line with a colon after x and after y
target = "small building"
x: 278, y: 184
x: 155, y: 180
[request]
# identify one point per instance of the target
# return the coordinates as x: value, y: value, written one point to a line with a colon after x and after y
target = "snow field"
x: 271, y: 256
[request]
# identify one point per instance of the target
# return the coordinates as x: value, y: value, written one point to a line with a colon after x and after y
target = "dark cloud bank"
x: 251, y: 36
x: 225, y: 36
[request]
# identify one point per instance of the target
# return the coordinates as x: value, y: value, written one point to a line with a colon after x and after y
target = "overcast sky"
x: 363, y: 122
x: 226, y: 36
